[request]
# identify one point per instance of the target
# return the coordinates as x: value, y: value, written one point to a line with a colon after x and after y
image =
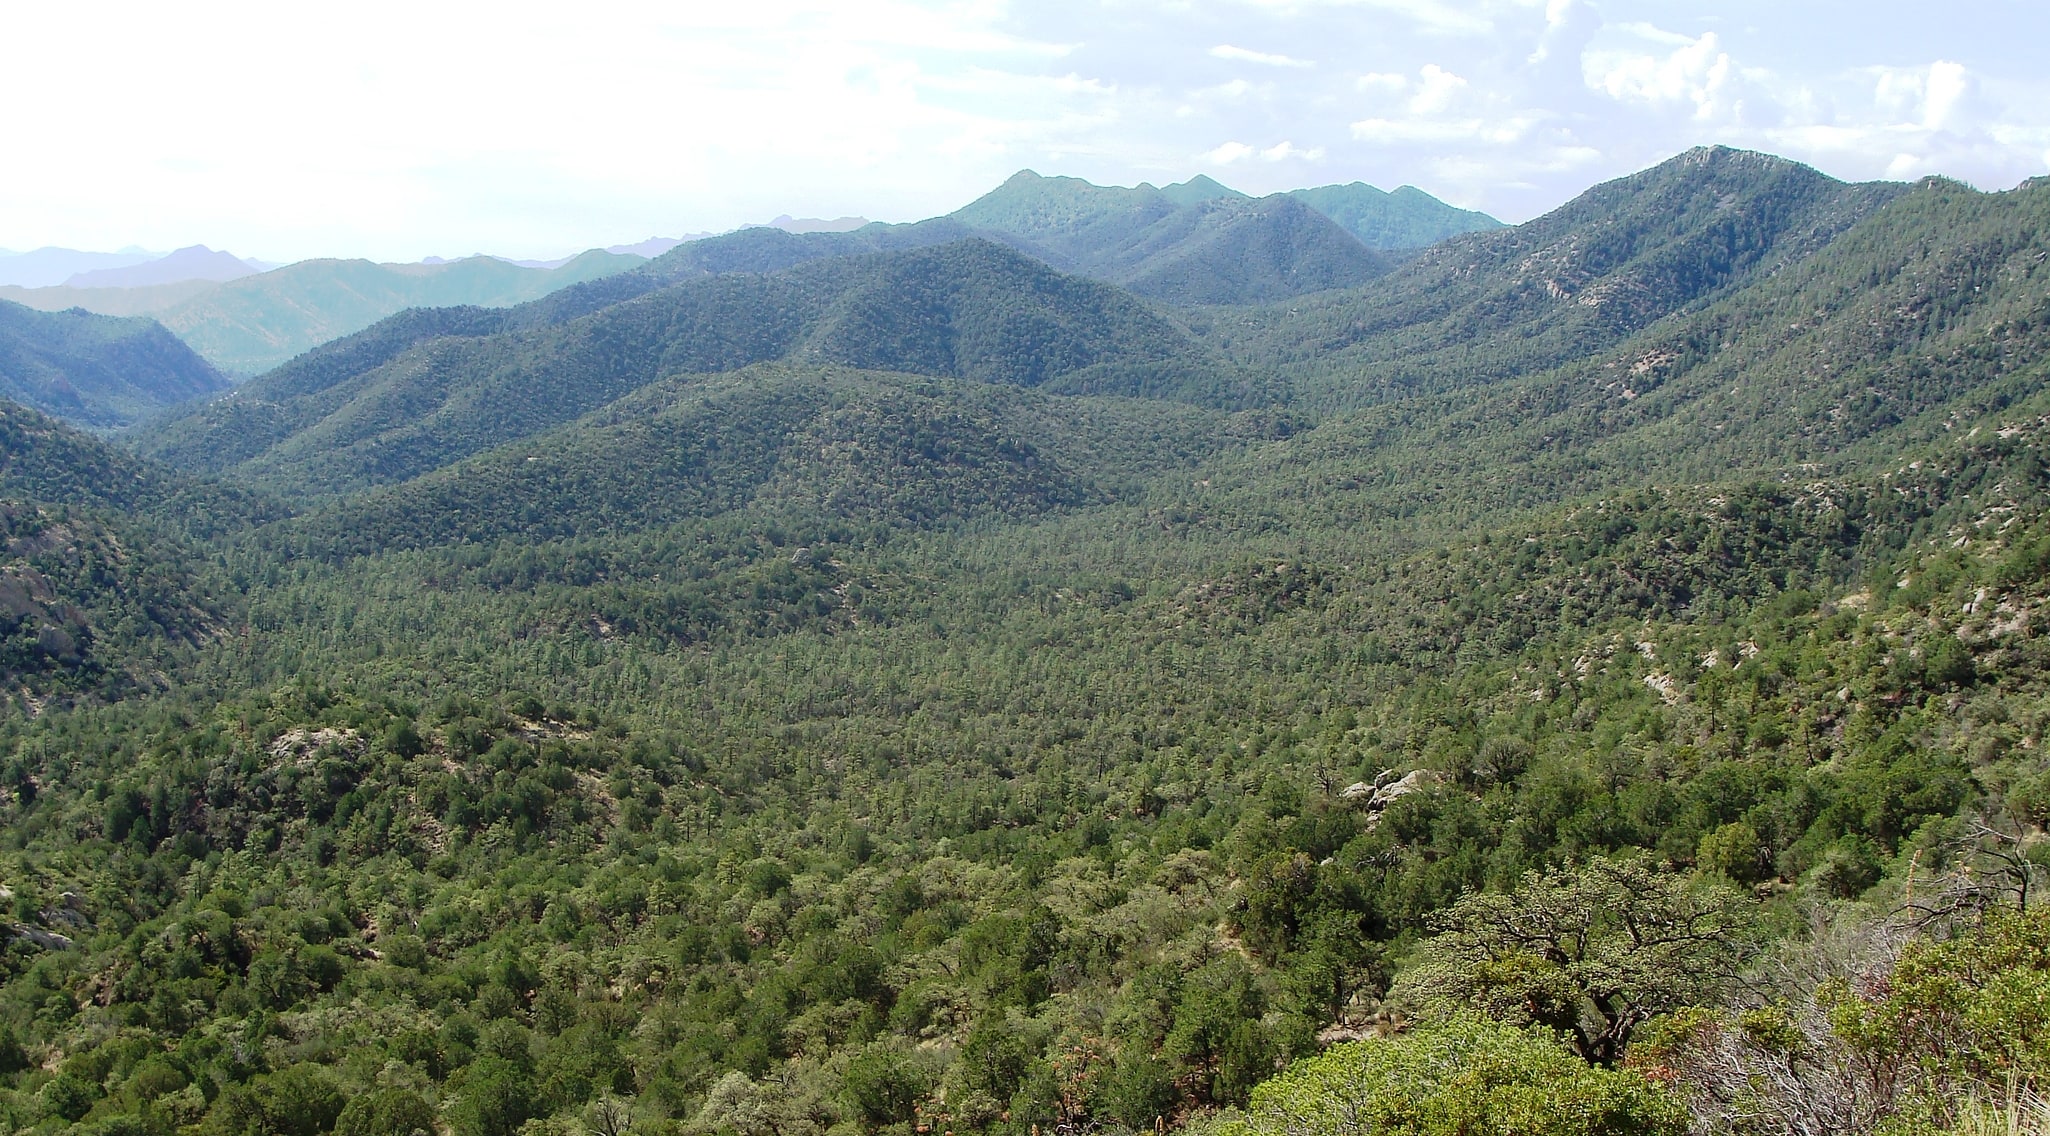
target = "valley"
x: 1075, y: 664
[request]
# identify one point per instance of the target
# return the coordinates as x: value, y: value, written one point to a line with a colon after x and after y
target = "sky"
x: 398, y: 130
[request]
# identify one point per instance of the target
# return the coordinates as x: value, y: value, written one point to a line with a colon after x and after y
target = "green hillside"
x: 1199, y: 244
x: 1492, y: 306
x: 108, y: 301
x: 1590, y: 681
x: 793, y: 442
x: 104, y: 590
x: 398, y: 402
x: 1197, y: 190
x: 99, y: 372
x: 1234, y: 252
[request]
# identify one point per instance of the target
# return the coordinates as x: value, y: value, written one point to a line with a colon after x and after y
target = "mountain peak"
x: 1405, y: 219
x: 194, y: 262
x: 1199, y: 189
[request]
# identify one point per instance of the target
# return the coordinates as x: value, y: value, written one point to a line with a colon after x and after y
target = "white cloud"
x: 1267, y: 59
x: 1429, y: 16
x: 1947, y: 85
x: 1283, y: 151
x: 1487, y: 131
x: 1437, y: 90
x: 1696, y: 73
x: 398, y: 129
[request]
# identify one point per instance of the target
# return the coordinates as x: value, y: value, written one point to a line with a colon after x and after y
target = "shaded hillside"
x: 1491, y: 306
x: 398, y: 403
x: 212, y: 436
x: 92, y: 608
x: 96, y: 371
x: 102, y: 589
x: 1406, y: 218
x: 1234, y: 252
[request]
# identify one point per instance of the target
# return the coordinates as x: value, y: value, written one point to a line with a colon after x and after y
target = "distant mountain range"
x: 1193, y: 243
x: 255, y: 322
x: 196, y: 262
x: 48, y: 267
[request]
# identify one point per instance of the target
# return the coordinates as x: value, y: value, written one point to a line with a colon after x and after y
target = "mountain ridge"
x: 969, y: 308
x: 648, y: 720
x: 100, y: 371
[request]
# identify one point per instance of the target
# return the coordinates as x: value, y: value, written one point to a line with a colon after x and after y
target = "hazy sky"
x: 399, y: 130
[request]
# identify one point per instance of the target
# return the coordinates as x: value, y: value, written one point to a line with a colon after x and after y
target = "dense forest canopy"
x: 1590, y: 677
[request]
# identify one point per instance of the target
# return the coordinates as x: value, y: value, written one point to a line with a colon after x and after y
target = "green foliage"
x: 1973, y: 1008
x: 1466, y: 1075
x: 385, y: 1112
x: 791, y: 748
x: 298, y: 1100
x: 1591, y: 952
x: 493, y: 1097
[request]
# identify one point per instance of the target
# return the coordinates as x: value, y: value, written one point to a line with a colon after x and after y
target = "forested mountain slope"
x: 1923, y: 318
x: 96, y: 371
x: 1102, y: 810
x: 1207, y: 249
x: 663, y: 720
x: 401, y: 401
x: 1403, y: 218
x: 756, y: 250
x: 793, y: 442
x: 1490, y: 306
x: 104, y: 588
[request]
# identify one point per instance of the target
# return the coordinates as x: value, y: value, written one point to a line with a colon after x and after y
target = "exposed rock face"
x: 1386, y: 789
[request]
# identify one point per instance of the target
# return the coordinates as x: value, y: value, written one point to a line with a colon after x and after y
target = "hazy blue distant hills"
x: 46, y: 267
x: 790, y: 224
x: 426, y: 389
x: 98, y: 371
x: 256, y: 322
x: 196, y: 262
x: 1407, y: 218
